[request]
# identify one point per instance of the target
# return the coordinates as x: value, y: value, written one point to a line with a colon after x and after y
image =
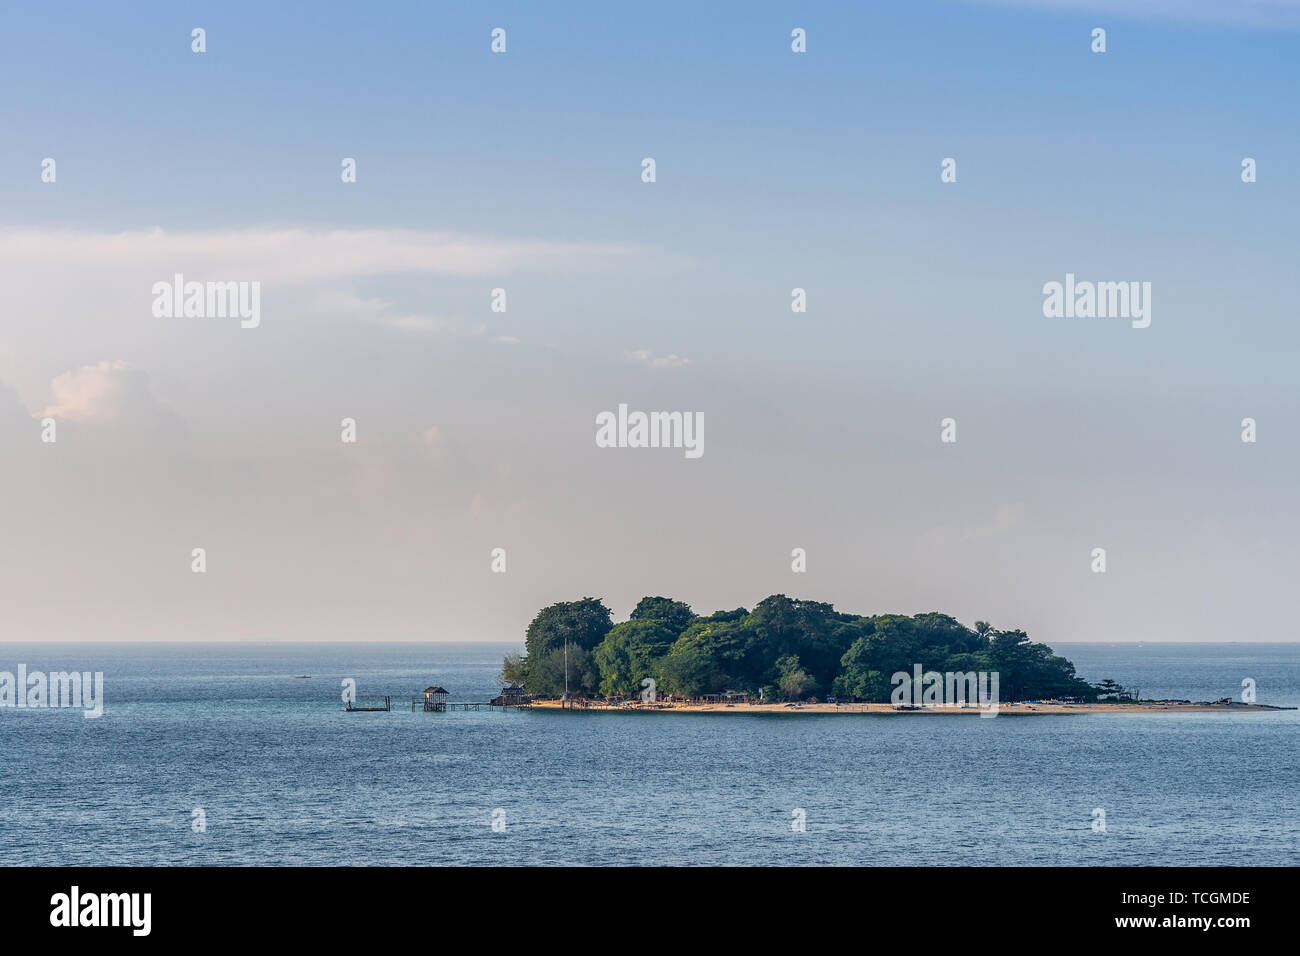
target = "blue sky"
x: 818, y: 167
x: 775, y: 170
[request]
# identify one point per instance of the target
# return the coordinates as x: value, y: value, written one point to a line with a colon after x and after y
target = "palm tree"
x: 984, y: 630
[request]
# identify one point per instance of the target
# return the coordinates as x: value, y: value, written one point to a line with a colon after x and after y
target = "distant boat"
x: 302, y: 677
x: 351, y: 708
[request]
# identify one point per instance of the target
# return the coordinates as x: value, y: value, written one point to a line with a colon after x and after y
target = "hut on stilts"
x: 435, y: 699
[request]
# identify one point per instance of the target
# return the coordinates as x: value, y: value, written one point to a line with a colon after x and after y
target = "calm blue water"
x: 285, y: 777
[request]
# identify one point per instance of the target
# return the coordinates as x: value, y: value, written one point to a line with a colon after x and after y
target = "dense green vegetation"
x: 785, y: 649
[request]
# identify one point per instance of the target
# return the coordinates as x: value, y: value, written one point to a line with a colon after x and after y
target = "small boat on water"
x: 351, y: 707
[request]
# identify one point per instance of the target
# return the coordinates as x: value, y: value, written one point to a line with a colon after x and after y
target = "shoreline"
x: 1016, y: 709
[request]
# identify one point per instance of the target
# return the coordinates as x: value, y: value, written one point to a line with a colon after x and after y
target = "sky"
x: 522, y: 171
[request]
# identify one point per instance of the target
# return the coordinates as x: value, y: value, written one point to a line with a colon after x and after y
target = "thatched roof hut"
x: 435, y: 699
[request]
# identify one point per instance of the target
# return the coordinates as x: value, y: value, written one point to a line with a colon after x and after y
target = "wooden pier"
x: 433, y: 700
x: 430, y: 706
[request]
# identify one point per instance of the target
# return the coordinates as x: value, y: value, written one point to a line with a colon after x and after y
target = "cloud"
x: 379, y: 311
x: 321, y: 273
x: 96, y: 393
x: 289, y: 255
x: 116, y: 415
x: 650, y: 360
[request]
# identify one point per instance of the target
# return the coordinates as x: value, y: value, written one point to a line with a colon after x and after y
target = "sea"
x: 223, y: 754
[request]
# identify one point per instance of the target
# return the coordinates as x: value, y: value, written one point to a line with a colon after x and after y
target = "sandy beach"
x: 1003, y: 709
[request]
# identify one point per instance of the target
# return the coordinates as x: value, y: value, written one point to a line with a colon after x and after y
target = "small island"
x: 797, y: 656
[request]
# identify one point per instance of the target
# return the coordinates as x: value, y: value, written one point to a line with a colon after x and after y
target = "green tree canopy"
x: 582, y: 625
x: 512, y: 670
x: 784, y: 646
x: 1108, y: 688
x: 793, y: 681
x: 631, y: 652
x: 706, y: 658
x: 546, y: 672
x: 675, y: 615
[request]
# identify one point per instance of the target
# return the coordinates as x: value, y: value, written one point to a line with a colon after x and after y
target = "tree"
x: 512, y: 670
x: 631, y: 652
x: 1028, y: 670
x: 811, y: 630
x: 783, y: 647
x: 861, y: 676
x: 1108, y: 688
x: 675, y: 615
x: 546, y: 672
x: 794, y: 682
x: 707, y: 658
x: 578, y: 625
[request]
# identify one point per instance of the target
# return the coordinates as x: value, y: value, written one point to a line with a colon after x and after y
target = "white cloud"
x: 93, y: 393
x: 303, y: 255
x: 115, y: 415
x: 650, y: 360
x: 379, y: 311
